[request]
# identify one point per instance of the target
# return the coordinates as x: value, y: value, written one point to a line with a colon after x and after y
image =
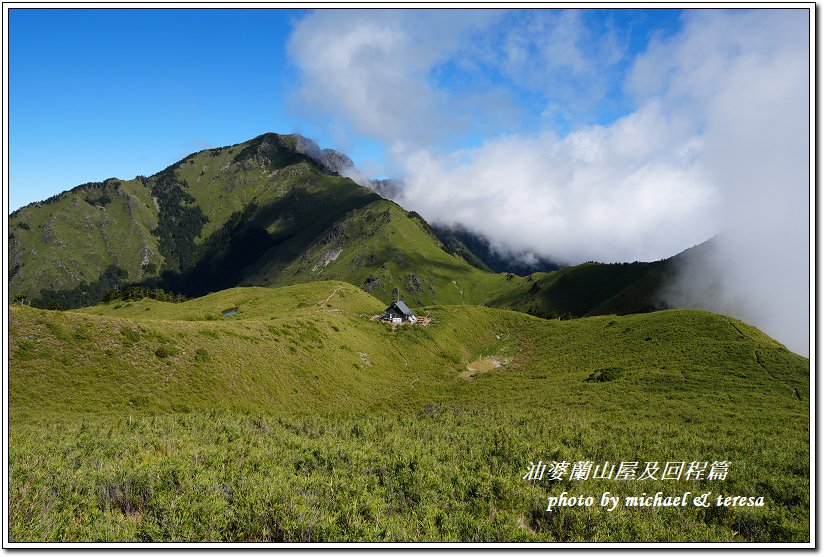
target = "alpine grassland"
x: 297, y: 417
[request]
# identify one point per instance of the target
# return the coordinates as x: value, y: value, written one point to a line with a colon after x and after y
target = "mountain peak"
x: 329, y: 161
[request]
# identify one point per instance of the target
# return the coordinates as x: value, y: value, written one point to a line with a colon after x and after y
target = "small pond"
x: 230, y: 311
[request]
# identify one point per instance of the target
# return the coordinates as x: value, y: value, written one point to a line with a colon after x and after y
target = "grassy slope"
x: 47, y: 251
x: 315, y: 207
x: 383, y: 242
x: 285, y: 349
x: 597, y: 288
x: 222, y: 185
x: 301, y: 419
x: 68, y: 240
x: 588, y: 289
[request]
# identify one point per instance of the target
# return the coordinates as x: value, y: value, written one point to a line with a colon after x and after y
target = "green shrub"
x: 26, y: 350
x: 57, y: 331
x: 130, y: 336
x: 82, y: 332
x: 166, y: 351
x: 605, y: 374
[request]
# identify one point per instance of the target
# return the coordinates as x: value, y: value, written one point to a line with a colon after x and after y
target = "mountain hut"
x: 398, y: 312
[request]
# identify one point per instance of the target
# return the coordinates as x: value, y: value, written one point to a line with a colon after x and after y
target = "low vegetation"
x: 298, y: 418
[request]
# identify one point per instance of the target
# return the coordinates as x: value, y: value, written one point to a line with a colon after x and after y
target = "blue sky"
x: 101, y: 93
x: 576, y: 135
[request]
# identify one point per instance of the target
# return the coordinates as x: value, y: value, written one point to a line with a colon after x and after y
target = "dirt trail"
x: 326, y: 301
x: 761, y: 364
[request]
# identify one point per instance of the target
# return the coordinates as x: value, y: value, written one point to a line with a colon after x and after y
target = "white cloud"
x: 602, y: 193
x: 566, y: 55
x: 718, y: 139
x: 753, y: 101
x: 373, y: 70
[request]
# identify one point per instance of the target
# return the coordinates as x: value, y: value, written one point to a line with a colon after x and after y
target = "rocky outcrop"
x: 336, y: 162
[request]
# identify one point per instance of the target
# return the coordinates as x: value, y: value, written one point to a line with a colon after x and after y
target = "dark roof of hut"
x: 402, y: 307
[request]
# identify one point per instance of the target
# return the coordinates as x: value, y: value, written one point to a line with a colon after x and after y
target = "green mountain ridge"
x: 173, y: 224
x: 271, y: 212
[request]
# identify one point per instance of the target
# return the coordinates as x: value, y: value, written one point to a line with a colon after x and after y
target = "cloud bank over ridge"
x: 549, y: 132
